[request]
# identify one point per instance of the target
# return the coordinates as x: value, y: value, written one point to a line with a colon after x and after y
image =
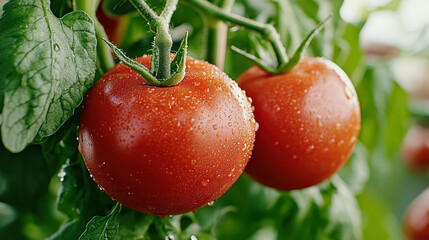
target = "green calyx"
x: 162, y: 73
x: 278, y: 64
x: 286, y: 66
x: 177, y: 66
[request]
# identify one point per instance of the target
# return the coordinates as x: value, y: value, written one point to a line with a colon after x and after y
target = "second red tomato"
x: 309, y: 123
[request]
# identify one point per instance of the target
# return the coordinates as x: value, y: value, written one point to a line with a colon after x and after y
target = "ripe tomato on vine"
x: 309, y: 122
x: 166, y: 150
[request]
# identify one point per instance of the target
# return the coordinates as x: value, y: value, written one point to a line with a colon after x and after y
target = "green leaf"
x: 46, y: 67
x: 69, y: 230
x: 379, y: 220
x: 70, y: 199
x: 356, y: 171
x: 134, y: 225
x: 7, y: 214
x: 23, y: 176
x: 62, y: 145
x: 103, y: 227
x: 79, y: 196
x: 329, y: 211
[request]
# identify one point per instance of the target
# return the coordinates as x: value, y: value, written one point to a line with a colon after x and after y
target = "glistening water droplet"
x: 212, y: 203
x: 205, y: 182
x: 349, y: 93
x: 56, y: 47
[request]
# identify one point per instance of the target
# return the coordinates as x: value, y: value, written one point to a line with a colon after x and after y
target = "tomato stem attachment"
x: 177, y: 66
x: 267, y: 31
x: 302, y: 47
x: 163, y: 72
x: 104, y: 57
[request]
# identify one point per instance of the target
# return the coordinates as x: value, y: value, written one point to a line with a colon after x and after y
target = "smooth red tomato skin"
x: 166, y: 150
x: 309, y: 121
x: 416, y: 218
x: 415, y: 149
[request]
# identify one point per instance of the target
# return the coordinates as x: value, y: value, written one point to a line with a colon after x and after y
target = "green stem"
x: 217, y: 33
x: 170, y: 7
x: 104, y: 57
x: 151, y: 17
x: 163, y: 41
x: 267, y: 31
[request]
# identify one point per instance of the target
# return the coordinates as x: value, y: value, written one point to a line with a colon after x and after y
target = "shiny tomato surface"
x: 309, y: 121
x: 166, y: 150
x: 416, y: 218
x: 415, y: 148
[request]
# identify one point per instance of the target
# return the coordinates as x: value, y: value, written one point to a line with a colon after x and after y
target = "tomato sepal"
x: 299, y: 53
x: 142, y: 70
x: 177, y: 66
x: 292, y: 62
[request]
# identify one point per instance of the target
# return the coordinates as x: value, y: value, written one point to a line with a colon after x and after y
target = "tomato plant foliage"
x: 48, y: 64
x: 39, y: 94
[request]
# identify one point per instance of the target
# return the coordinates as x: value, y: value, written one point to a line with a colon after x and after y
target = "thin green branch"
x: 217, y: 33
x: 170, y: 7
x: 151, y: 17
x: 267, y: 31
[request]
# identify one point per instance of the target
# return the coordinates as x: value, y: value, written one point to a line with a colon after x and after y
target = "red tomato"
x: 416, y: 218
x: 309, y: 122
x: 415, y: 148
x: 166, y: 150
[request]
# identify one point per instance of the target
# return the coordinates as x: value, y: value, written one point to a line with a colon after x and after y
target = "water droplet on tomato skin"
x: 349, y: 93
x: 212, y: 203
x: 338, y: 126
x: 205, y: 182
x: 101, y: 188
x: 232, y: 172
x: 310, y: 148
x: 319, y: 122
